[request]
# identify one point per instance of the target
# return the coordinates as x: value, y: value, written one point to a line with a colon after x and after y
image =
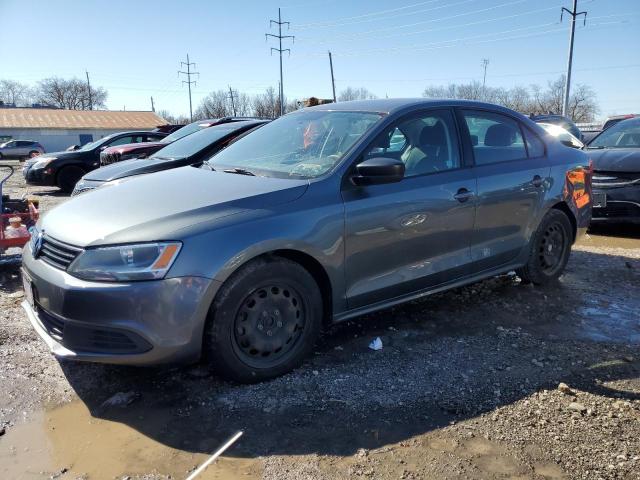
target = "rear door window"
x: 495, y: 138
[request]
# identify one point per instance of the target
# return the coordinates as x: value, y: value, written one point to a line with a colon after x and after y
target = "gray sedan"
x: 322, y: 215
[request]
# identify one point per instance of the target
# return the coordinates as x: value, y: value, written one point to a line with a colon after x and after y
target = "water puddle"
x: 68, y: 443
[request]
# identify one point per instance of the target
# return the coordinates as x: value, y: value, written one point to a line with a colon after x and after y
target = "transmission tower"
x: 280, y: 37
x: 188, y: 81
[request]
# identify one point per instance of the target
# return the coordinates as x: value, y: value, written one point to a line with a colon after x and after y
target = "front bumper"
x: 38, y: 176
x: 136, y: 323
x: 622, y: 205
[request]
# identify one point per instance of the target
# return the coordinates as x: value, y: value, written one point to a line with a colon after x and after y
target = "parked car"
x: 168, y: 128
x: 563, y: 135
x: 611, y: 121
x: 312, y: 219
x: 616, y: 177
x: 135, y: 150
x: 64, y: 169
x: 560, y: 120
x: 20, y: 149
x: 190, y: 150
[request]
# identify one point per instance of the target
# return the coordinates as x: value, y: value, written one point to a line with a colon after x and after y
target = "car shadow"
x: 448, y: 357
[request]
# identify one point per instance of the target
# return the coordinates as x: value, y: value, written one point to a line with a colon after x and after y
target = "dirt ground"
x: 467, y: 385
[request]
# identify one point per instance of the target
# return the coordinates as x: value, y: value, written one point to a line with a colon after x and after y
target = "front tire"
x: 549, y: 249
x: 264, y: 321
x: 68, y: 177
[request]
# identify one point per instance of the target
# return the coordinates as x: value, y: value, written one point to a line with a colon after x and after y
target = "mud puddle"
x: 68, y: 443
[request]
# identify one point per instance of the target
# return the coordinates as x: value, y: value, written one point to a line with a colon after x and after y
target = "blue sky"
x: 134, y: 48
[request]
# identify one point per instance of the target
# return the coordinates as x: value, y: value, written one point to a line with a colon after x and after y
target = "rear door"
x: 407, y: 236
x: 513, y: 175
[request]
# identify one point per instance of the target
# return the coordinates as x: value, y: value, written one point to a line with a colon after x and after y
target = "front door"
x: 414, y: 234
x: 513, y: 175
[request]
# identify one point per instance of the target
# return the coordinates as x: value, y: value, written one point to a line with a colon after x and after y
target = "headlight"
x: 145, y: 261
x: 43, y: 162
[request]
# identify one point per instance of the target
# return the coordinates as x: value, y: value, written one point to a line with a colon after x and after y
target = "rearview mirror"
x: 378, y: 170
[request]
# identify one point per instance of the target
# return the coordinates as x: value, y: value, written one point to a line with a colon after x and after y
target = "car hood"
x: 615, y: 159
x: 158, y: 206
x: 136, y: 147
x: 134, y: 167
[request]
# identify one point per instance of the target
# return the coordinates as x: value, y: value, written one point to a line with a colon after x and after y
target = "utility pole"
x: 485, y: 64
x: 233, y: 105
x: 279, y: 22
x: 567, y: 86
x: 188, y: 81
x: 333, y: 80
x: 153, y: 108
x: 89, y: 88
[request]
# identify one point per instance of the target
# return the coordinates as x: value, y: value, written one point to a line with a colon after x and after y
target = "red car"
x: 143, y: 150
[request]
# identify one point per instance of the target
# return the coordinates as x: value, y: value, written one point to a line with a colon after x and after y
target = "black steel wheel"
x: 549, y: 249
x: 552, y: 248
x: 264, y: 321
x: 269, y: 323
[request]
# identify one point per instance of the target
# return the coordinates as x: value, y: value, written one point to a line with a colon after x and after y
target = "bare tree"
x: 533, y: 100
x: 173, y: 119
x: 351, y: 93
x: 267, y: 104
x: 72, y: 94
x: 15, y: 93
x: 215, y: 105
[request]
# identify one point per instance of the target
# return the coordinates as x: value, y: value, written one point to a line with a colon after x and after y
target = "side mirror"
x: 569, y: 143
x: 378, y: 170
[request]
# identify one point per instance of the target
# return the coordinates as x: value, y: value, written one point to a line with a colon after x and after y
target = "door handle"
x: 537, y: 181
x: 463, y: 195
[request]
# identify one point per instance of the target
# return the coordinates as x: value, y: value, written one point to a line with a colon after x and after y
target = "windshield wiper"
x: 239, y: 171
x: 599, y: 147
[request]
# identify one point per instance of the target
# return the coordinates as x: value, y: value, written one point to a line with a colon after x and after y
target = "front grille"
x: 82, y: 338
x: 58, y: 254
x: 109, y: 158
x: 78, y: 190
x: 615, y: 179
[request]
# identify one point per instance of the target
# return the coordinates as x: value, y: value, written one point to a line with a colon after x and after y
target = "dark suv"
x: 135, y: 150
x: 64, y: 169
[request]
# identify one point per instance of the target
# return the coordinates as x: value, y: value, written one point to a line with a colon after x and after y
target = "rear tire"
x: 264, y: 321
x: 68, y: 177
x: 549, y: 249
x: 34, y: 153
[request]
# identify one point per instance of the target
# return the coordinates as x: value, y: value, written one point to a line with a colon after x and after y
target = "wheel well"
x: 61, y: 169
x: 318, y: 273
x: 563, y: 207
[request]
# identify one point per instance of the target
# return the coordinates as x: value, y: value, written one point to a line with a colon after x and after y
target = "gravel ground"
x: 493, y: 380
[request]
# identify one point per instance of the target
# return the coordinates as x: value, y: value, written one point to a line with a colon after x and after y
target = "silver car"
x: 322, y: 215
x: 20, y: 149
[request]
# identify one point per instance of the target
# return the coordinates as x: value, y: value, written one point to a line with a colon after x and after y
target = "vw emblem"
x: 36, y: 241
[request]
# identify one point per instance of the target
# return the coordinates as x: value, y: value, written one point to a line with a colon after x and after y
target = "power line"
x: 456, y: 41
x: 572, y: 32
x: 387, y: 17
x: 376, y: 33
x: 279, y: 22
x: 188, y: 73
x: 379, y: 12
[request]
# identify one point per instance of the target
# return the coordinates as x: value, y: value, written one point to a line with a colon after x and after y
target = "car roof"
x: 394, y: 105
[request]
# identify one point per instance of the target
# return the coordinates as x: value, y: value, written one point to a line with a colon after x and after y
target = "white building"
x: 58, y: 129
